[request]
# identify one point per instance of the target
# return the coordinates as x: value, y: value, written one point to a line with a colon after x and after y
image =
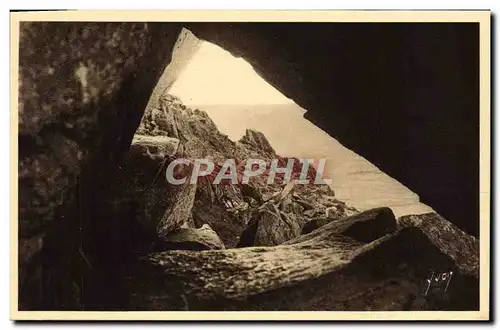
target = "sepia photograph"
x: 250, y: 165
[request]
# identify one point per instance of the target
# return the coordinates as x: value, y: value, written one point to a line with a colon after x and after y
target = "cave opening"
x: 205, y: 76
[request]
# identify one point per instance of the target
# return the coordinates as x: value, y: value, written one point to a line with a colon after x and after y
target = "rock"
x: 97, y: 79
x: 179, y: 203
x: 272, y: 223
x: 310, y: 213
x: 83, y: 88
x: 203, y: 238
x: 141, y: 184
x: 363, y: 227
x: 257, y: 140
x: 462, y: 248
x: 323, y: 270
x: 314, y: 224
x: 269, y: 227
x: 155, y: 146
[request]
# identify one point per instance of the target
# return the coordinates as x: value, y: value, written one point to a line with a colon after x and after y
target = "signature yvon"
x: 440, y: 280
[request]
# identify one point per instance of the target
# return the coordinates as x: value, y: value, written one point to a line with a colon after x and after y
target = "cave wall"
x: 403, y: 95
x: 83, y: 88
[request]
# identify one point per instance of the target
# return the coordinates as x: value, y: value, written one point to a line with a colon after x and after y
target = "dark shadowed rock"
x: 82, y: 90
x: 83, y: 87
x: 314, y: 224
x: 364, y: 227
x: 297, y: 60
x: 179, y: 203
x: 141, y: 182
x: 323, y: 270
x: 273, y: 223
x: 203, y: 238
x: 380, y: 222
x: 228, y: 225
x: 461, y: 247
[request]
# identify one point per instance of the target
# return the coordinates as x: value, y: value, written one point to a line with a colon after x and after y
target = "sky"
x: 214, y: 76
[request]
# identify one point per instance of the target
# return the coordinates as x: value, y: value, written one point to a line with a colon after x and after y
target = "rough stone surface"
x: 82, y: 87
x: 313, y: 225
x: 324, y: 270
x: 247, y: 271
x: 257, y: 140
x: 203, y: 238
x: 271, y: 224
x: 462, y: 248
x: 82, y: 90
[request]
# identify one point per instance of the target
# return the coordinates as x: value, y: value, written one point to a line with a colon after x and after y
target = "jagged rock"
x: 223, y: 207
x: 257, y: 140
x: 203, y: 238
x: 274, y: 222
x: 462, y: 248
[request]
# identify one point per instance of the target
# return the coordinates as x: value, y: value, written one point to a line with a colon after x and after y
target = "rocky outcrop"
x: 462, y: 248
x: 229, y: 207
x: 140, y: 183
x: 257, y: 140
x: 274, y: 222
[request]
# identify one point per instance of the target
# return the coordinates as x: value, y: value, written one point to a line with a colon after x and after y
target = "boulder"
x: 155, y: 146
x: 364, y: 227
x: 274, y: 222
x: 203, y: 238
x: 461, y: 247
